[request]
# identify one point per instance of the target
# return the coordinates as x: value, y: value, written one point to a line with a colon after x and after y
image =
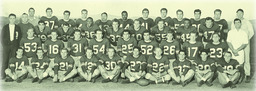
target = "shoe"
x: 35, y: 79
x: 125, y: 81
x: 82, y: 80
x: 200, y: 83
x: 175, y: 83
x: 152, y: 82
x: 208, y: 83
x: 167, y: 82
x: 105, y: 81
x: 233, y: 86
x: 19, y: 80
x: 8, y: 79
x: 70, y: 80
x: 115, y: 80
x: 227, y: 85
x: 248, y: 79
x: 93, y: 80
x: 40, y: 81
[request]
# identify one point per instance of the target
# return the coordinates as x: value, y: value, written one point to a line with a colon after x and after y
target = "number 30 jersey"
x: 53, y: 48
x: 110, y: 64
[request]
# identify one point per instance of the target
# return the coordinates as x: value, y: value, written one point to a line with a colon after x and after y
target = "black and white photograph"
x: 127, y: 45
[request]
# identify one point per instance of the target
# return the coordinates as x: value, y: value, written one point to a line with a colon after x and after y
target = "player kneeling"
x: 228, y: 73
x: 204, y: 69
x: 64, y: 67
x: 158, y: 67
x: 17, y: 67
x: 134, y: 66
x: 87, y: 68
x: 182, y: 71
x: 110, y: 66
x: 40, y: 66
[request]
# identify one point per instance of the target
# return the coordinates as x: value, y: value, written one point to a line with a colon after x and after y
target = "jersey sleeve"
x: 70, y: 65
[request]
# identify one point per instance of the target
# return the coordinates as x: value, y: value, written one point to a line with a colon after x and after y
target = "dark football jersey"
x: 148, y: 24
x: 207, y: 32
x: 216, y: 51
x: 24, y: 29
x: 158, y: 64
x: 114, y: 35
x: 30, y: 46
x: 192, y: 50
x: 135, y: 64
x: 89, y: 31
x: 53, y: 48
x: 77, y: 46
x: 167, y: 21
x: 18, y: 63
x: 125, y: 24
x: 226, y: 66
x: 103, y: 25
x: 70, y: 22
x: 50, y: 22
x: 170, y: 48
x: 160, y: 35
x: 42, y: 34
x: 181, y: 66
x: 65, y: 35
x: 126, y: 47
x: 110, y: 64
x: 40, y: 64
x: 184, y: 33
x: 99, y: 47
x: 87, y: 64
x: 147, y: 47
x: 80, y: 23
x: 137, y: 33
x: 197, y: 23
x: 222, y: 25
x: 177, y: 23
x: 204, y: 65
x: 64, y: 64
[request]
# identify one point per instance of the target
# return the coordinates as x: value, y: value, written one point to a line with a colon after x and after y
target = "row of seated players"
x: 156, y: 68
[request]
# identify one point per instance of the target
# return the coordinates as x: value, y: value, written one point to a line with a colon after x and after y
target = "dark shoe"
x: 208, y: 83
x: 125, y: 81
x: 19, y: 80
x: 227, y: 85
x: 70, y: 80
x: 8, y: 79
x: 40, y: 81
x: 93, y: 80
x: 82, y: 80
x: 152, y: 82
x: 105, y: 81
x: 167, y: 82
x: 233, y: 86
x: 35, y: 79
x: 175, y: 83
x: 200, y: 83
x: 248, y: 79
x: 115, y: 80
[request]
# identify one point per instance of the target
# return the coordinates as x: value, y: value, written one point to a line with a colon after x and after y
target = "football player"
x: 17, y: 68
x: 81, y: 22
x: 147, y: 45
x: 99, y: 45
x: 110, y: 66
x: 77, y: 47
x: 71, y: 23
x: 42, y: 31
x: 228, y: 73
x: 158, y: 66
x: 126, y: 44
x: 30, y: 44
x: 31, y: 17
x: 104, y: 23
x: 160, y: 31
x: 40, y: 65
x: 114, y: 33
x: 182, y: 72
x: 135, y: 66
x: 183, y: 31
x: 65, y: 33
x: 87, y: 68
x: 167, y: 20
x: 88, y: 30
x: 125, y: 23
x: 50, y: 20
x: 204, y: 69
x: 177, y: 22
x: 223, y: 25
x: 207, y: 29
x: 146, y: 22
x: 137, y: 30
x: 24, y: 25
x: 197, y: 21
x: 63, y: 67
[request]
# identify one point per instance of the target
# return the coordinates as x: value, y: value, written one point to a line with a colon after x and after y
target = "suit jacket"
x: 6, y: 36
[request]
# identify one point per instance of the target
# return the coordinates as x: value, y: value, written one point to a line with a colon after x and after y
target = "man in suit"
x: 11, y: 35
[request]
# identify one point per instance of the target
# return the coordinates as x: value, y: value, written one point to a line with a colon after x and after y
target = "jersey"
x: 99, y: 47
x: 207, y: 32
x: 30, y: 46
x: 170, y: 48
x: 40, y: 64
x: 110, y: 64
x: 16, y: 64
x: 181, y: 67
x: 103, y: 25
x: 148, y: 23
x: 147, y: 47
x: 185, y: 33
x: 89, y: 64
x: 50, y: 22
x: 160, y: 34
x: 89, y: 31
x: 126, y: 47
x: 80, y: 23
x: 216, y: 51
x: 167, y: 21
x: 113, y: 36
x: 222, y: 25
x: 65, y: 35
x: 192, y: 50
x: 135, y: 64
x: 64, y: 64
x: 125, y: 24
x: 177, y: 23
x: 53, y: 48
x: 209, y: 64
x: 77, y: 46
x: 158, y: 64
x: 24, y: 29
x: 70, y: 22
x: 197, y: 23
x: 226, y: 66
x: 137, y: 33
x: 42, y: 34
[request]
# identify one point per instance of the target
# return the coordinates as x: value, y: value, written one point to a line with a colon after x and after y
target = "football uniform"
x: 137, y: 33
x: 80, y: 23
x: 181, y: 67
x: 42, y: 34
x: 216, y: 51
x: 24, y: 29
x: 89, y: 64
x: 99, y: 47
x: 77, y: 46
x: 148, y: 23
x: 70, y: 22
x: 40, y: 64
x: 225, y: 66
x: 170, y: 48
x: 209, y: 64
x: 197, y: 23
x: 158, y: 65
x: 185, y: 33
x: 192, y: 50
x: 110, y: 64
x: 136, y: 64
x: 103, y: 25
x: 53, y: 48
x: 126, y: 47
x: 147, y: 47
x: 63, y: 66
x: 222, y: 25
x: 207, y: 32
x: 160, y: 35
x: 89, y: 31
x: 125, y: 24
x: 167, y: 21
x: 177, y: 23
x: 30, y: 46
x: 17, y: 64
x: 114, y: 35
x: 50, y: 22
x: 65, y: 35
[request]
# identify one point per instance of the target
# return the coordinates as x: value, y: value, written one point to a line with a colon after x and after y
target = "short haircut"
x: 136, y: 47
x: 137, y: 20
x: 38, y: 49
x: 182, y: 51
x: 237, y: 20
x: 145, y: 9
x: 89, y: 18
x: 116, y: 20
x: 64, y: 49
x: 186, y: 19
x: 179, y: 10
x: 204, y: 50
x: 209, y: 18
x: 66, y: 24
x: 41, y: 21
x: 84, y: 10
x: 193, y: 32
x: 66, y: 11
x: 240, y: 10
x: 217, y: 10
x: 12, y: 15
x: 124, y: 12
x: 76, y: 30
x: 48, y: 9
x: 163, y: 9
x: 31, y: 9
x: 88, y: 49
x: 24, y: 14
x: 160, y: 20
x: 197, y: 10
x: 129, y: 32
x: 104, y: 13
x: 227, y: 52
x: 54, y: 31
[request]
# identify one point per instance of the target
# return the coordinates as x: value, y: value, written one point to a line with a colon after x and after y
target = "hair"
x: 88, y: 49
x: 186, y: 19
x: 197, y: 10
x: 182, y: 51
x: 137, y: 47
x: 20, y: 48
x: 129, y: 32
x: 137, y: 20
x: 163, y: 9
x: 204, y: 50
x: 237, y: 20
x: 179, y: 10
x: 145, y: 32
x: 66, y: 24
x: 76, y: 30
x: 227, y: 52
x: 104, y: 13
x: 111, y: 48
x: 41, y: 21
x: 66, y: 11
x: 31, y: 9
x: 24, y: 14
x: 12, y: 15
x: 218, y: 33
x: 39, y: 49
x: 55, y: 32
x: 89, y: 18
x: 209, y: 18
x: 145, y: 9
x: 124, y: 12
x: 48, y: 9
x: 194, y: 32
x: 116, y: 20
x: 240, y: 10
x: 84, y: 10
x: 217, y: 10
x: 160, y: 20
